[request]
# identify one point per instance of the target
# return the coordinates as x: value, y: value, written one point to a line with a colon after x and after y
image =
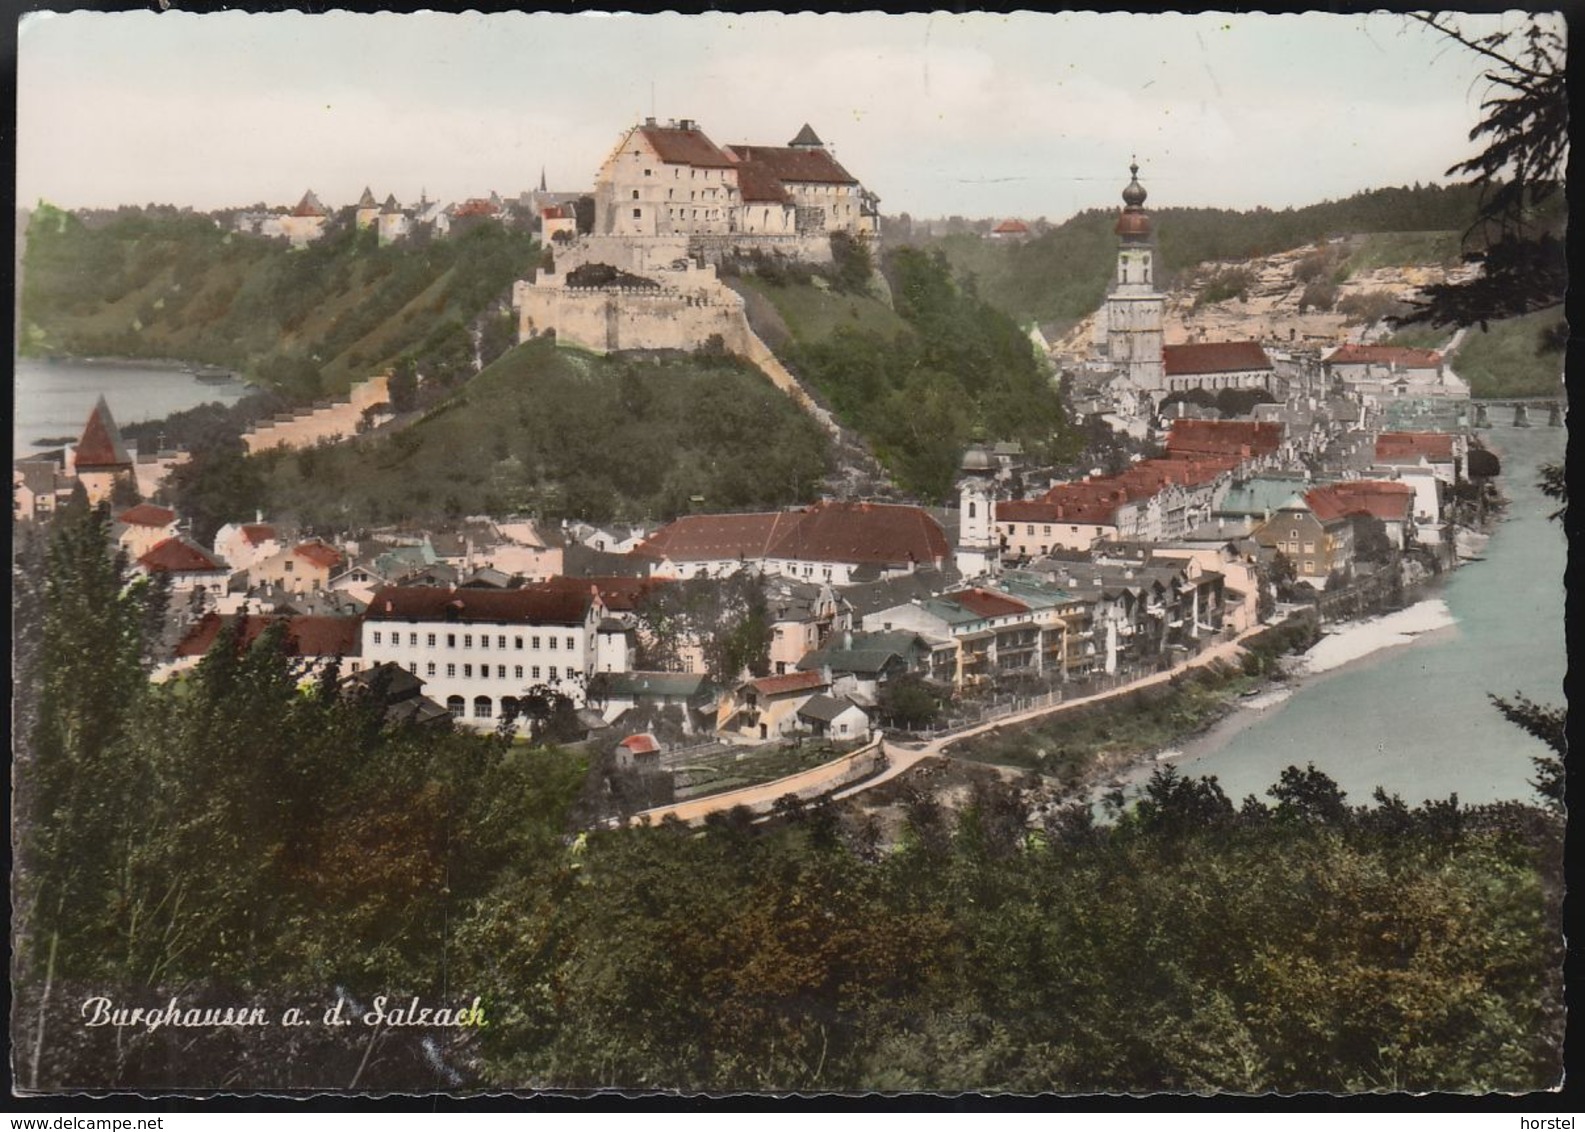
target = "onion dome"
x: 1134, y: 194
x: 978, y: 459
x: 1134, y: 222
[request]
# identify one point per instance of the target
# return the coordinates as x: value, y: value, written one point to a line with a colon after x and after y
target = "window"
x: 467, y: 671
x: 534, y: 672
x: 429, y: 669
x: 482, y: 708
x: 553, y: 644
x: 431, y: 641
x: 1309, y: 567
x: 635, y: 197
x: 412, y: 639
x: 1048, y: 530
x: 1294, y: 533
x: 570, y: 645
x: 638, y: 214
x: 1030, y: 530
x: 455, y: 705
x: 451, y: 640
x: 412, y: 666
x: 971, y: 509
x: 518, y: 642
x: 535, y: 642
x: 467, y: 640
x: 500, y: 642
x: 647, y: 173
x: 553, y: 674
x: 451, y: 670
x: 376, y: 636
x: 289, y: 565
x: 517, y: 672
x: 500, y: 672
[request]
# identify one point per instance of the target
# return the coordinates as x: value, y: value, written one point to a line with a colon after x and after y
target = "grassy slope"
x: 1507, y: 360
x: 564, y: 433
x: 811, y: 313
x: 1402, y: 249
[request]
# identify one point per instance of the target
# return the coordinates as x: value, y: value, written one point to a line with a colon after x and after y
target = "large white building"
x: 479, y: 651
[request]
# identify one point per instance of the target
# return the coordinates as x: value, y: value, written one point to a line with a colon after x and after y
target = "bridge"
x: 1525, y: 411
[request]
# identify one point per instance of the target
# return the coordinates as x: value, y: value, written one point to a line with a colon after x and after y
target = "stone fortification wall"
x: 811, y: 247
x: 605, y: 319
x: 325, y: 423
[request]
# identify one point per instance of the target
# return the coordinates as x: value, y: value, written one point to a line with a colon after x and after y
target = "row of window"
x: 467, y: 640
x: 484, y: 671
x: 1012, y: 528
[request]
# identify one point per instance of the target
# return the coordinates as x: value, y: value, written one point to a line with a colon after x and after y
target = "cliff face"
x: 1316, y: 295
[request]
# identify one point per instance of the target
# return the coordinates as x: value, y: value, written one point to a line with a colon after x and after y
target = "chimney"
x: 649, y: 121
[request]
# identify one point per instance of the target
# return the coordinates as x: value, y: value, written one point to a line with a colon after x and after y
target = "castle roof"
x: 806, y: 136
x: 101, y: 445
x: 799, y: 164
x: 309, y: 206
x: 684, y: 145
x: 367, y: 199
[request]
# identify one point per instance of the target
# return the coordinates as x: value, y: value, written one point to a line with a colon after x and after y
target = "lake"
x: 52, y: 398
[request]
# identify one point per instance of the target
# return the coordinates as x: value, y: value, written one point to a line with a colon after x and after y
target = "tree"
x: 403, y: 387
x: 1525, y: 127
x: 908, y: 701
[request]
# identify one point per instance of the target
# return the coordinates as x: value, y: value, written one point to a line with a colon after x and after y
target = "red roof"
x: 1132, y: 222
x: 309, y: 206
x: 317, y: 553
x: 677, y: 146
x: 525, y: 606
x: 305, y: 636
x: 1224, y: 438
x: 878, y: 533
x: 1214, y: 357
x: 147, y: 515
x: 798, y: 164
x: 1391, y: 502
x: 1026, y: 511
x: 759, y: 185
x: 256, y: 533
x: 1408, y: 447
x: 101, y: 445
x: 177, y: 556
x: 984, y: 603
x: 1012, y: 228
x: 807, y: 681
x: 641, y: 744
x: 476, y: 206
x: 554, y: 212
x: 618, y: 594
x: 1401, y: 356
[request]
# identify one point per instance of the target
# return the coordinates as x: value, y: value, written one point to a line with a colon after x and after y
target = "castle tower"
x: 100, y: 456
x: 1135, y: 310
x: 978, y: 552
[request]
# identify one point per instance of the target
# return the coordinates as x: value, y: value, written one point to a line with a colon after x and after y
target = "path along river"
x: 1415, y: 718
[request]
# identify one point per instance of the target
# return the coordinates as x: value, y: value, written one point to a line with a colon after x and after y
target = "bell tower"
x: 978, y: 552
x: 1135, y: 310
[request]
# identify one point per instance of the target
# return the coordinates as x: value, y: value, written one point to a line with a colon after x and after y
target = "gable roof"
x: 826, y: 708
x: 1239, y: 438
x: 1408, y: 447
x: 791, y: 682
x: 642, y: 744
x: 1012, y: 227
x: 305, y: 635
x: 1353, y: 353
x: 178, y: 556
x: 986, y: 603
x: 525, y: 606
x: 1213, y: 357
x: 786, y: 163
x: 318, y: 553
x: 147, y: 515
x: 1380, y: 499
x: 101, y: 445
x: 678, y: 146
x: 618, y: 593
x: 255, y: 534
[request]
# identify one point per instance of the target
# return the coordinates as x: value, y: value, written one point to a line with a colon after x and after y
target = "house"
x: 838, y: 543
x: 767, y: 707
x: 1392, y: 503
x: 1443, y: 453
x: 314, y: 641
x: 192, y: 571
x: 861, y: 663
x: 690, y: 693
x: 301, y: 568
x: 1216, y: 365
x: 392, y: 222
x: 1249, y: 441
x: 139, y: 529
x: 1385, y: 370
x: 244, y: 545
x: 557, y: 222
x: 803, y: 616
x: 480, y: 650
x: 1316, y: 543
x: 1014, y: 230
x: 40, y: 487
x: 399, y: 693
x: 638, y: 752
x: 100, y: 457
x: 835, y: 717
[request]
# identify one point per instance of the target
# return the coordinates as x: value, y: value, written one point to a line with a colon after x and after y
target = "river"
x: 52, y: 398
x: 1415, y: 718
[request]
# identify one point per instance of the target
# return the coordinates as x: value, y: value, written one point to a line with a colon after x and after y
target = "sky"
x: 980, y: 115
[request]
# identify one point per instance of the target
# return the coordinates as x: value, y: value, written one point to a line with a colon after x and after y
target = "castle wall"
x: 333, y: 422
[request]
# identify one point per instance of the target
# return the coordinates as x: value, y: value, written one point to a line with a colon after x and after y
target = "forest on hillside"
x: 170, y: 847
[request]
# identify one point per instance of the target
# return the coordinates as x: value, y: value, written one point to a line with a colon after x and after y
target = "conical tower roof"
x: 367, y: 199
x: 101, y: 445
x: 806, y: 137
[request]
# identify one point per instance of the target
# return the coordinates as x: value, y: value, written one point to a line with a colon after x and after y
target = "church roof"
x: 101, y: 445
x: 1214, y: 357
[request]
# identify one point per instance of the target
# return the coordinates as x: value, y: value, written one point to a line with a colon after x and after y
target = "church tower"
x: 1135, y: 310
x: 978, y: 553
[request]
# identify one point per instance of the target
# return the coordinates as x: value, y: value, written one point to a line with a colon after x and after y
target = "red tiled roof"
x: 619, y: 594
x: 309, y: 206
x: 305, y: 635
x: 525, y: 606
x: 1354, y: 354
x: 1012, y: 227
x: 800, y: 165
x: 317, y: 553
x: 759, y: 185
x: 984, y: 603
x: 177, y: 556
x: 101, y: 445
x: 1234, y: 438
x: 791, y: 682
x: 641, y: 744
x: 1408, y: 447
x: 554, y: 212
x: 879, y: 533
x: 147, y: 515
x: 1378, y: 498
x: 256, y: 533
x: 1026, y: 511
x: 685, y: 147
x: 1214, y: 357
x: 476, y: 206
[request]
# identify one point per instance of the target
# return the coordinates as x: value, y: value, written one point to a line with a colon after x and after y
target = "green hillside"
x: 568, y: 434
x: 309, y: 321
x: 918, y: 382
x: 1062, y: 275
x: 1517, y: 357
